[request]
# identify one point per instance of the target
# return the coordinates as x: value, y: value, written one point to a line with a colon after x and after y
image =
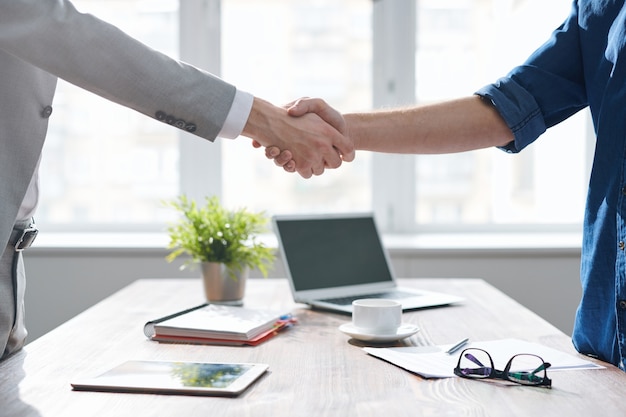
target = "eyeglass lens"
x: 526, y: 369
x: 475, y: 363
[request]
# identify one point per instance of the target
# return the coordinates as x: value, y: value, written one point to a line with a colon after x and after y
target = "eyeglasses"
x: 524, y: 369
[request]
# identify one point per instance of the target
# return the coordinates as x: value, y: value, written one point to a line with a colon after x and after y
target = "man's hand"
x: 281, y: 158
x: 313, y: 143
x: 318, y: 106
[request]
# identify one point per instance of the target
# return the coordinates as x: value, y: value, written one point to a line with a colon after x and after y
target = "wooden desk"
x: 315, y: 370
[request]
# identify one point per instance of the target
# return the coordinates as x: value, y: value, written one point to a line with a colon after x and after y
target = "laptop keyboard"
x: 386, y: 294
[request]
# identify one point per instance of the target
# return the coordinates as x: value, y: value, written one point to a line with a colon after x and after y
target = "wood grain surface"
x: 315, y: 370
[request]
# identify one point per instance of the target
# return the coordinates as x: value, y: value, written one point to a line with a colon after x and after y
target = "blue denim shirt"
x: 583, y: 64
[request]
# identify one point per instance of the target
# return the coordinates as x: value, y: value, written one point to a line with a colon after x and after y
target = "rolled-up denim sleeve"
x: 548, y: 88
x: 519, y: 109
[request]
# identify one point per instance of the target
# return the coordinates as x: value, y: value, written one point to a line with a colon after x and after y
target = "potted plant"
x: 224, y: 242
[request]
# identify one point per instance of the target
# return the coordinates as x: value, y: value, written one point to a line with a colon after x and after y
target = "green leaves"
x: 211, y: 233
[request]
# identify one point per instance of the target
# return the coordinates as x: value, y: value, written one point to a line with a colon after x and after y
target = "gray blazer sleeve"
x: 85, y: 51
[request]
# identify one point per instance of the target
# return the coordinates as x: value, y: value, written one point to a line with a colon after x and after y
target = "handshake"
x: 306, y: 136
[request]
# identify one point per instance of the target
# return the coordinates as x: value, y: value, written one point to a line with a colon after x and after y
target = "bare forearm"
x: 454, y: 126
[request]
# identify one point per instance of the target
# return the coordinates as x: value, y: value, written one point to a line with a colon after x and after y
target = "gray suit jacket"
x: 41, y: 40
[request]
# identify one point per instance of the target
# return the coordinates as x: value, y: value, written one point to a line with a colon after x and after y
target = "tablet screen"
x: 175, y: 378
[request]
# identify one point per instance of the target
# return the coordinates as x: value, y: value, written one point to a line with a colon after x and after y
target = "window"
x: 99, y: 175
x: 357, y: 55
x: 293, y: 49
x: 461, y: 46
x: 105, y: 166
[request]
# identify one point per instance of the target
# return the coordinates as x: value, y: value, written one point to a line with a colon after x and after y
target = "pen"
x: 457, y: 346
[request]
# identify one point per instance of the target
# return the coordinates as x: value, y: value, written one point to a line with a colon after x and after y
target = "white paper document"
x: 433, y: 362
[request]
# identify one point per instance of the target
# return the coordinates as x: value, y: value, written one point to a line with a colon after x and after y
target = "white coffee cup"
x: 376, y: 316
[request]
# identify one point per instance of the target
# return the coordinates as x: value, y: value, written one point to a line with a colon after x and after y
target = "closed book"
x: 217, y: 324
x: 228, y: 342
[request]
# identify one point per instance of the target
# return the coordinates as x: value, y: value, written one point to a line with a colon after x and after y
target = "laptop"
x: 333, y: 259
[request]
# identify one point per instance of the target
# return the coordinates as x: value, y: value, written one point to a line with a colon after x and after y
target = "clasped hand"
x: 312, y: 138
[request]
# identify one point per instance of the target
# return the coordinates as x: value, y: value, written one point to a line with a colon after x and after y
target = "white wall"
x: 64, y: 282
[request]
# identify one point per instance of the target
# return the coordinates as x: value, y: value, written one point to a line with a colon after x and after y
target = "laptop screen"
x: 332, y: 251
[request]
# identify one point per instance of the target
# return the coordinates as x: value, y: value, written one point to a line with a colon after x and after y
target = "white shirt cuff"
x: 237, y: 116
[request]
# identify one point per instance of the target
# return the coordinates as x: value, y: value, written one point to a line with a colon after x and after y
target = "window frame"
x: 394, y: 26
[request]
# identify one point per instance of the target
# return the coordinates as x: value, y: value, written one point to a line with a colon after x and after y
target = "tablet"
x: 183, y: 378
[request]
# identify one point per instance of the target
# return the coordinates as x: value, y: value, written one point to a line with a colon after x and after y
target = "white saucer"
x: 405, y: 330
